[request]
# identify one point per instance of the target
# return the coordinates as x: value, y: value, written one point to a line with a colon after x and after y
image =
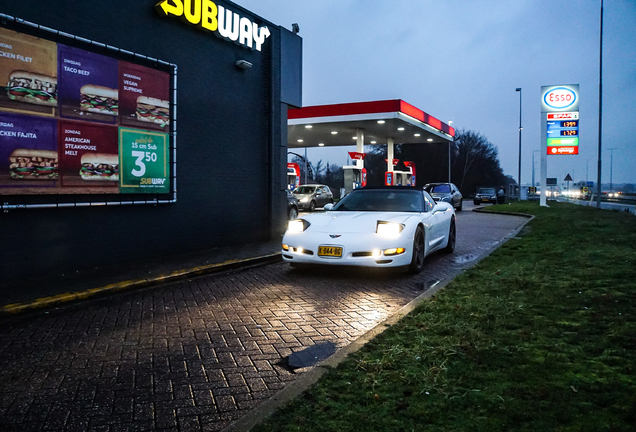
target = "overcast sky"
x: 461, y: 60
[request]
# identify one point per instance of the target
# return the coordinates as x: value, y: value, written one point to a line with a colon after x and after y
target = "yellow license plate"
x: 330, y: 251
x: 485, y: 199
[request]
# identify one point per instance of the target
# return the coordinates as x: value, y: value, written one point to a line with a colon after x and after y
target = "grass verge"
x: 541, y: 335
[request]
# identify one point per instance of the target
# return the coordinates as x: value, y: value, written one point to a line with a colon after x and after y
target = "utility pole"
x: 600, y: 116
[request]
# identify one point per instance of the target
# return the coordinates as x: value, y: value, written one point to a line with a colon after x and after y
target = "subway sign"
x: 224, y: 23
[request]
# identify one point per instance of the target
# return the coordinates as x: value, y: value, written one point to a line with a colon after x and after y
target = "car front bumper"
x: 366, y: 250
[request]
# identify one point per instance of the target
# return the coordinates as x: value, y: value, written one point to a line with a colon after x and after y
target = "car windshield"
x: 443, y: 188
x: 385, y: 200
x: 304, y: 190
x: 486, y: 191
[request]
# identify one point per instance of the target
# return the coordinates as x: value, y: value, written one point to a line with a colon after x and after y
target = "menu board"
x: 73, y: 122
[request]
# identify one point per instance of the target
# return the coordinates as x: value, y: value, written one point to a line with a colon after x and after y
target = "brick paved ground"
x: 198, y: 354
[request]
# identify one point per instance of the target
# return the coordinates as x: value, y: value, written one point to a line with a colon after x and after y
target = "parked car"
x: 292, y: 206
x: 313, y: 195
x: 445, y: 192
x: 485, y: 195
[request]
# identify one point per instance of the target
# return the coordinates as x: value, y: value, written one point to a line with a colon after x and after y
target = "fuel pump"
x: 355, y: 176
x: 390, y: 179
x: 401, y: 178
x: 293, y: 175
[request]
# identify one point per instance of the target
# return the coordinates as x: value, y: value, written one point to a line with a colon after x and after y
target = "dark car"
x: 485, y: 195
x: 313, y: 195
x: 292, y: 206
x: 445, y: 192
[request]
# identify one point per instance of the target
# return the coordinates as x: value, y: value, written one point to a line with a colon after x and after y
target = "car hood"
x: 301, y: 196
x: 352, y: 222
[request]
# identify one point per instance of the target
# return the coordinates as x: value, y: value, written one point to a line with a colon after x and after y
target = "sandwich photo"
x: 153, y: 110
x: 98, y: 99
x: 100, y: 167
x: 31, y: 164
x: 32, y: 88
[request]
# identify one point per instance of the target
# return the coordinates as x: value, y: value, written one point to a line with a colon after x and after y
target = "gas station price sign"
x: 563, y: 133
x: 144, y: 161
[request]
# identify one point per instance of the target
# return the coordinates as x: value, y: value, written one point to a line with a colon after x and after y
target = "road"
x: 200, y: 353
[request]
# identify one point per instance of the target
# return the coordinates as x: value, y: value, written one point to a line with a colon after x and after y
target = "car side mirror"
x: 328, y: 207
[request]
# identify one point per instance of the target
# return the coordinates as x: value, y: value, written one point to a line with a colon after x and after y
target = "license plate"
x: 484, y: 199
x: 330, y: 251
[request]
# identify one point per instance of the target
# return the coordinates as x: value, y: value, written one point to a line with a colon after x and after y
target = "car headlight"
x: 297, y: 225
x: 304, y: 199
x: 445, y: 199
x: 493, y: 197
x: 388, y: 229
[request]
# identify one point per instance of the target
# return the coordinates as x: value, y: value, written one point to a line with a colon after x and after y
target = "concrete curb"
x: 46, y: 302
x: 311, y: 377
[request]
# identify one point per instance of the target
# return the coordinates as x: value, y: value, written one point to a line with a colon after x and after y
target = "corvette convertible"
x: 373, y: 227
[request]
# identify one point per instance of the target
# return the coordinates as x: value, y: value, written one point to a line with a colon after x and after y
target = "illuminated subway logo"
x: 224, y: 23
x: 559, y: 98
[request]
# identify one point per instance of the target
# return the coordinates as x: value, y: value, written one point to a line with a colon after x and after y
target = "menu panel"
x: 88, y: 85
x: 145, y: 95
x: 28, y: 155
x: 28, y: 66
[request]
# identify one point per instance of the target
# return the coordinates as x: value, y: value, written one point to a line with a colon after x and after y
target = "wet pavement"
x: 202, y: 352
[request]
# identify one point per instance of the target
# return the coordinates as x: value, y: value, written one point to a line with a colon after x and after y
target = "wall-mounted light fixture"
x: 243, y: 64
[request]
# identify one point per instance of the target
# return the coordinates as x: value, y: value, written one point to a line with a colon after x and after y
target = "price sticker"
x: 144, y: 161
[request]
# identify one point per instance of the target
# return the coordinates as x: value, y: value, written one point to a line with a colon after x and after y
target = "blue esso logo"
x: 559, y: 98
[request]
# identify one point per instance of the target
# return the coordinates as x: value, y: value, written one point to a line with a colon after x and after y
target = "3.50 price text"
x: 140, y: 162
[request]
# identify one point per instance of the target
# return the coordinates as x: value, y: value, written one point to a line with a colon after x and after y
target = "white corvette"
x: 373, y: 227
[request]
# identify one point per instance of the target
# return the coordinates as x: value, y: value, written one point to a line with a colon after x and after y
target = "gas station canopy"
x: 377, y: 122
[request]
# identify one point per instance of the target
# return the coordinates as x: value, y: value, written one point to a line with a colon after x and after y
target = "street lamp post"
x: 611, y: 166
x: 533, y: 152
x: 450, y: 122
x: 519, y: 174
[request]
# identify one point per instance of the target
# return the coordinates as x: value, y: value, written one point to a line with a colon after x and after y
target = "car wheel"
x: 459, y: 208
x: 293, y: 213
x: 476, y: 202
x: 452, y: 238
x: 312, y: 206
x: 417, y: 262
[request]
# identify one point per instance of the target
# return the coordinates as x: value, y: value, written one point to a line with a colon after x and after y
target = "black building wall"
x: 230, y: 142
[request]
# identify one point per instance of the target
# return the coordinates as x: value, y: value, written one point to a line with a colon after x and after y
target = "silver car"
x: 313, y: 195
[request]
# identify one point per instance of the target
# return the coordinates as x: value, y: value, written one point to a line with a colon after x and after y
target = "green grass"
x: 539, y: 336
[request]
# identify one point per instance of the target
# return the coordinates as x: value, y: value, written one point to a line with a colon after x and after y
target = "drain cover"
x: 463, y: 259
x: 311, y: 355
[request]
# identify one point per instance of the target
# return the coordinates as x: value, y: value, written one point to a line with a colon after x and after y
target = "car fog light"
x: 300, y: 250
x: 376, y: 253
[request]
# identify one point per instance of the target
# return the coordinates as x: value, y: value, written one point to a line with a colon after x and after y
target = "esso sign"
x: 559, y: 98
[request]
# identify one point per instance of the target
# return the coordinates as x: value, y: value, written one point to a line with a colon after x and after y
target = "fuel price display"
x: 563, y: 133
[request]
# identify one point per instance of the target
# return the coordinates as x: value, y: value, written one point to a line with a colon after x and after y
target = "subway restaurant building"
x: 137, y: 130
